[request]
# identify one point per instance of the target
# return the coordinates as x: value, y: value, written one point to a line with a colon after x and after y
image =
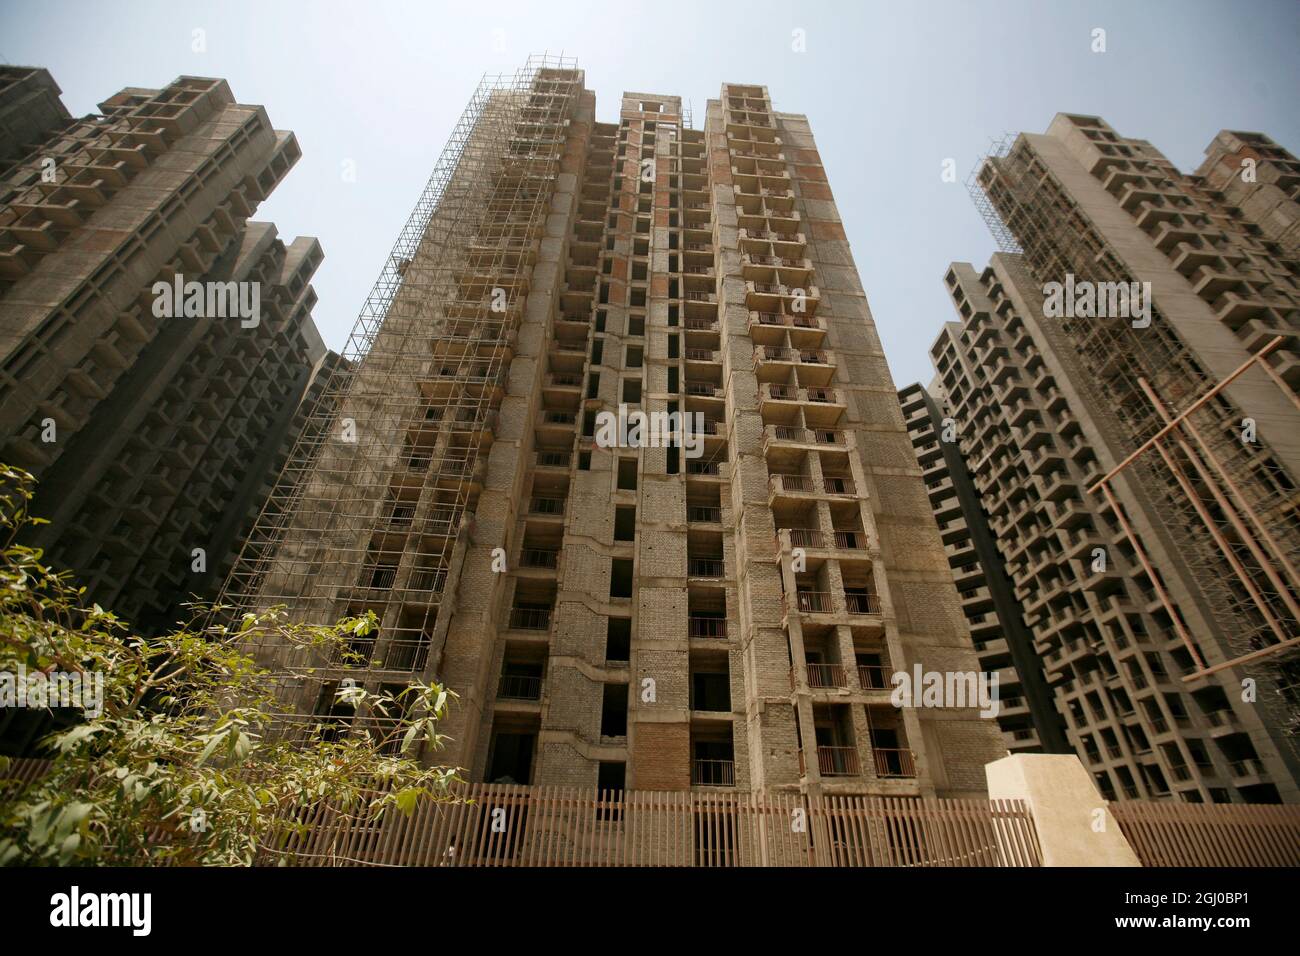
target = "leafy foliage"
x: 184, y: 763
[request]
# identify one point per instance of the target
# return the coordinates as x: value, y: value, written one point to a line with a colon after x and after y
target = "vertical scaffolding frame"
x: 373, y: 509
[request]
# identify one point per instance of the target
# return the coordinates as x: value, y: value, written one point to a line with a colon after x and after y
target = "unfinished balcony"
x: 823, y: 407
x: 520, y: 685
x: 873, y: 670
x: 706, y: 613
x: 704, y: 556
x: 713, y: 760
x: 835, y: 752
x: 547, y: 502
x: 710, y: 686
x: 779, y: 403
x: 567, y: 357
x: 704, y: 505
x: 557, y: 426
x: 801, y: 367
x: 540, y: 553
x: 798, y: 330
x: 821, y: 676
x: 890, y: 755
x: 556, y: 459
x: 788, y: 489
x: 776, y: 200
x: 798, y: 438
x: 533, y: 607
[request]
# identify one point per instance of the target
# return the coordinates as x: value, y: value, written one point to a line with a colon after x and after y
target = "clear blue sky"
x: 892, y: 89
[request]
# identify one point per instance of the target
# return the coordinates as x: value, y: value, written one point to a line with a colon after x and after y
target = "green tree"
x: 182, y: 763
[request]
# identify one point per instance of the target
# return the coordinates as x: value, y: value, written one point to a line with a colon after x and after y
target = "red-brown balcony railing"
x: 806, y: 538
x: 850, y: 540
x: 838, y: 761
x: 825, y: 395
x: 705, y: 567
x: 826, y: 675
x: 786, y: 393
x: 800, y: 483
x: 519, y: 687
x: 862, y: 603
x: 543, y: 505
x: 539, y: 558
x: 530, y: 618
x: 708, y: 627
x: 873, y: 676
x: 838, y: 485
x: 712, y: 468
x: 813, y: 602
x: 713, y: 773
x: 891, y: 762
x: 704, y: 513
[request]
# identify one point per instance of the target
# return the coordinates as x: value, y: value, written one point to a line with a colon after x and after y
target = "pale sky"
x: 891, y: 89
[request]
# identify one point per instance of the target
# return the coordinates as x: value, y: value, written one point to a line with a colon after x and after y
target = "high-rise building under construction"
x: 721, y: 609
x: 1138, y: 451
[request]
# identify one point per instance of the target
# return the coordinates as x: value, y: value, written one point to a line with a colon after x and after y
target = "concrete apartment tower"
x: 154, y: 439
x: 625, y: 614
x: 1004, y: 644
x: 1162, y: 599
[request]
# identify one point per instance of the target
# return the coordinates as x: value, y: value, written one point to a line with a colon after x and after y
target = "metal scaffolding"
x: 1229, y: 506
x: 373, y: 509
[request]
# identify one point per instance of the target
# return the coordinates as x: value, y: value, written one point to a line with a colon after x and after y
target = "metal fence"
x: 505, y: 825
x: 1184, y: 834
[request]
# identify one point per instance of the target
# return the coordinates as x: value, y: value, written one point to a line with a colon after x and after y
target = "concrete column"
x: 1074, y: 827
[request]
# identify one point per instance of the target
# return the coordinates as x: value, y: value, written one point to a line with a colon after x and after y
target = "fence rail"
x: 1187, y: 834
x: 507, y: 825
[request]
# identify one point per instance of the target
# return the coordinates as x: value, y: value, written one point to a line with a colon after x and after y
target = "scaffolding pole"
x: 374, y: 509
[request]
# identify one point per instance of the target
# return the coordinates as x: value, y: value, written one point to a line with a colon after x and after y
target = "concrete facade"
x: 628, y: 615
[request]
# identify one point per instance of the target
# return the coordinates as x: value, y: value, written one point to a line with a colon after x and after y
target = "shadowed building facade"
x: 154, y: 440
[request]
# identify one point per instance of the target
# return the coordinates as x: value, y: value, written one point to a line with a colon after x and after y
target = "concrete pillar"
x: 1074, y: 827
